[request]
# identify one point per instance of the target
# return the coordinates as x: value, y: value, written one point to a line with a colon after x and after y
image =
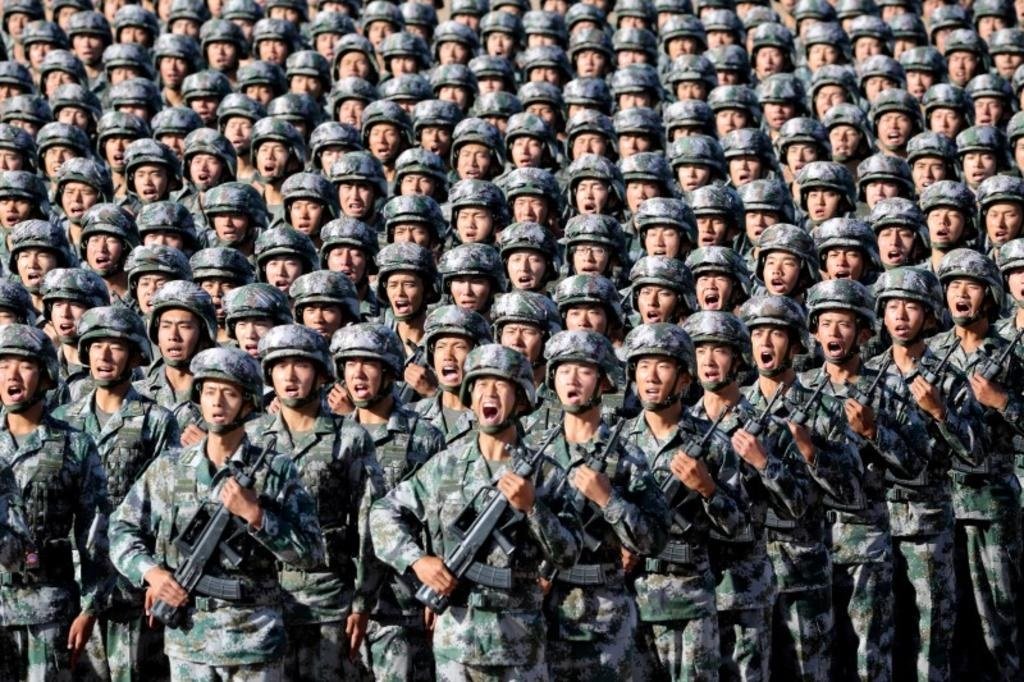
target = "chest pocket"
x: 326, y: 478
x: 393, y: 458
x: 49, y: 494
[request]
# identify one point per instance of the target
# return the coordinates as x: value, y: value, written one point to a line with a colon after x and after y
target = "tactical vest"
x: 393, y: 456
x: 126, y: 459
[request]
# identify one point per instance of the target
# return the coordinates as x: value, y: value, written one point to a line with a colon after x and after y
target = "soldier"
x: 887, y: 429
x: 721, y: 279
x: 47, y: 617
x: 847, y: 249
x: 151, y: 171
x: 326, y: 606
x: 324, y: 301
x: 284, y: 254
x: 130, y: 431
x: 208, y: 160
x: 167, y: 223
x: 593, y: 618
x: 471, y: 276
x: 787, y: 262
x: 309, y: 204
x: 236, y: 215
x: 250, y: 311
x: 274, y: 521
x: 950, y: 210
x: 772, y: 480
x: 530, y: 255
x: 407, y: 284
x: 80, y: 185
x: 675, y: 592
x: 67, y: 293
x: 986, y: 496
x: 108, y: 235
x: 350, y: 247
x: 37, y: 247
x: 149, y: 269
x: 369, y: 358
x: 1001, y: 208
x: 660, y: 290
x: 219, y: 270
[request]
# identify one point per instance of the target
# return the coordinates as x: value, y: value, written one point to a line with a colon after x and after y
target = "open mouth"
x: 268, y: 170
x: 707, y: 240
x: 901, y: 331
x: 894, y: 256
x: 525, y: 281
x: 102, y: 261
x: 777, y: 283
x: 450, y: 372
x: 652, y: 316
x: 33, y: 276
x: 589, y: 207
x: 15, y: 393
x: 842, y: 273
x: 402, y: 305
x: 117, y: 158
x: 711, y: 298
x: 834, y: 348
x: 174, y: 352
x: 472, y: 173
x: 490, y: 411
x: 712, y: 374
x: 962, y: 307
x: 282, y: 284
x: 767, y: 358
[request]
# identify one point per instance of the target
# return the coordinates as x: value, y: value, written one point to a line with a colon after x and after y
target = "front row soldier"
x: 129, y: 431
x: 591, y: 615
x: 47, y: 616
x: 494, y: 630
x: 326, y: 606
x: 675, y: 592
x: 240, y: 633
x: 369, y: 361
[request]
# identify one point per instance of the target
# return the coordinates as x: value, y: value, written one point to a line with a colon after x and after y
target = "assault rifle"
x: 598, y: 463
x: 418, y: 357
x: 990, y: 368
x: 802, y: 415
x: 864, y: 397
x: 671, y: 485
x: 475, y: 530
x: 201, y: 539
x: 934, y: 376
x: 756, y: 425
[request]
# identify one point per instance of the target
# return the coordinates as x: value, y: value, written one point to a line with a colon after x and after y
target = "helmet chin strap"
x: 494, y: 429
x: 664, y: 403
x: 177, y: 363
x: 235, y: 423
x: 23, y: 405
x: 775, y: 371
x: 383, y: 392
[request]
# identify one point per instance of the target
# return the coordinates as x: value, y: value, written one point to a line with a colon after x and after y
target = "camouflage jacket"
x: 403, y: 445
x: 156, y: 387
x: 167, y: 498
x: 679, y: 584
x: 484, y: 626
x: 989, y: 490
x: 64, y: 490
x: 337, y: 466
x: 14, y: 532
x: 452, y: 425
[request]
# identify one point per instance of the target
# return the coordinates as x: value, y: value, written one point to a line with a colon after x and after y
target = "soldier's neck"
x: 662, y: 422
x: 581, y: 428
x: 110, y: 398
x: 972, y: 335
x: 845, y: 372
x: 117, y: 284
x: 1018, y: 319
x: 717, y: 401
x: 494, y: 446
x: 70, y: 351
x: 905, y: 357
x: 220, y: 446
x: 769, y: 385
x: 300, y: 419
x: 179, y: 378
x: 377, y: 413
x: 450, y: 400
x: 411, y: 329
x: 27, y: 421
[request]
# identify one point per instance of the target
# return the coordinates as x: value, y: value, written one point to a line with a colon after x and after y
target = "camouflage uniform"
x: 239, y: 639
x: 487, y: 633
x: 336, y: 464
x: 592, y: 616
x: 398, y: 644
x: 61, y: 480
x: 123, y: 646
x: 675, y: 592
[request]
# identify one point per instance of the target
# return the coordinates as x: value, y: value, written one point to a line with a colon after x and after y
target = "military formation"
x: 505, y: 340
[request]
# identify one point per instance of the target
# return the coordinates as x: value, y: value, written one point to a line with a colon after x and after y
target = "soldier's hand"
x: 192, y: 435
x: 802, y: 438
x: 432, y: 572
x: 749, y: 448
x: 989, y: 393
x: 545, y: 585
x: 163, y: 587
x: 629, y: 560
x: 928, y: 398
x: 861, y: 418
x: 693, y: 474
x: 338, y: 400
x: 274, y: 406
x: 78, y: 636
x: 355, y: 629
x: 242, y: 502
x: 428, y: 620
x: 421, y: 380
x: 518, y: 490
x: 595, y: 486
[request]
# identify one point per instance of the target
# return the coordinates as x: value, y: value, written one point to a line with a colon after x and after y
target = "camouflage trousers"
x: 987, y: 556
x: 745, y: 643
x: 687, y: 650
x: 35, y: 653
x: 862, y: 606
x: 610, y: 659
x: 318, y: 652
x: 123, y: 650
x: 801, y: 635
x: 925, y: 590
x: 189, y: 671
x: 398, y: 652
x: 453, y: 671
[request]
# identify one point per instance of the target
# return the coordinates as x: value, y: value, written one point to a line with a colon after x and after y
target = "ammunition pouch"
x: 922, y: 480
x: 54, y: 567
x: 774, y: 522
x: 676, y: 557
x: 584, y: 575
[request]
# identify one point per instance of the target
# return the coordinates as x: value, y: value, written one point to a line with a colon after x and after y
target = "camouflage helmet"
x: 349, y: 232
x: 719, y: 327
x: 989, y: 85
x: 648, y: 166
x: 209, y: 83
x: 156, y: 259
x: 223, y: 263
x: 777, y: 311
x: 782, y: 88
x: 435, y: 113
x: 692, y: 68
x: 896, y: 100
x: 41, y: 31
x: 477, y: 131
x: 847, y: 233
x: 310, y: 187
x: 1006, y: 41
x: 577, y: 290
x: 295, y: 341
x: 882, y: 65
x: 749, y: 142
x: 25, y: 185
x: 231, y: 365
x: 407, y: 257
x: 220, y: 30
x: 741, y: 97
x: 280, y: 242
x: 498, y: 104
x: 324, y: 287
x: 237, y: 198
x: 353, y: 42
x: 309, y: 63
x: 168, y: 216
x: 472, y: 192
x: 597, y: 167
x: 591, y: 93
x: 421, y: 210
x: 768, y: 195
x: 495, y: 360
x: 969, y: 264
x: 119, y: 124
x: 1010, y: 256
x: 950, y: 194
x: 729, y: 59
x: 131, y: 55
x: 1000, y: 189
x: 923, y: 58
x: 932, y: 145
x: 964, y: 40
x: 683, y: 26
x: 88, y: 22
x: 16, y: 300
x: 792, y: 240
x: 31, y: 108
x: 17, y: 140
x: 546, y: 56
x: 475, y: 260
x: 61, y: 61
x: 301, y: 110
x: 698, y: 150
x: 79, y: 97
x: 666, y: 212
x: 189, y: 296
x: 828, y: 175
x: 661, y: 339
x: 368, y: 340
x: 803, y: 130
x: 831, y: 33
x: 531, y: 182
x: 175, y: 121
x: 108, y: 219
x: 636, y: 78
x: 39, y: 234
x: 113, y: 322
x: 914, y: 284
x: 717, y: 200
x: 29, y: 342
x: 451, y: 320
x: 840, y: 294
x: 720, y: 260
x: 594, y: 229
x: 332, y: 134
x: 390, y: 113
x: 207, y: 141
x: 417, y: 160
x: 253, y: 301
x: 528, y: 236
x: 64, y: 135
x: 593, y: 122
x: 584, y: 347
x: 237, y: 105
x: 72, y: 284
x: 525, y: 307
x: 665, y: 272
x: 146, y: 152
x: 359, y: 167
x: 259, y: 72
x: 281, y: 131
x: 1015, y: 128
x: 884, y: 168
x: 177, y: 46
x: 245, y: 10
x: 452, y: 31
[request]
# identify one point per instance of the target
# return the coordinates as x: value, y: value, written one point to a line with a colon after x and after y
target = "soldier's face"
x: 658, y: 378
x: 663, y: 241
x: 691, y: 176
x: 103, y: 253
x: 656, y: 304
x: 205, y: 170
x: 500, y: 44
x: 20, y: 379
x: 356, y: 198
x: 281, y: 272
x: 591, y: 197
x: 109, y: 359
x: 248, y: 333
x: 173, y: 71
x: 771, y: 347
x: 363, y: 378
x: 1015, y: 284
x: 238, y: 130
x: 416, y: 233
x: 728, y: 120
x: 222, y: 402
x: 353, y: 64
x: 777, y: 113
x: 978, y: 166
x: 961, y: 67
x: 633, y: 143
x: 474, y: 224
x: 11, y: 160
x: 217, y: 288
x: 385, y: 142
x: 743, y: 169
x: 845, y: 140
x: 151, y: 182
x: 904, y: 319
x: 175, y: 142
x: 294, y: 378
x: 756, y: 222
x: 530, y: 209
x: 714, y: 363
x: 837, y: 332
x: 895, y: 244
x: 823, y: 204
x: 781, y: 272
x: 54, y: 157
x: 274, y: 51
x: 231, y: 228
x: 306, y: 215
x: 1003, y: 222
x: 146, y: 287
x: 178, y: 334
x: 576, y: 383
x: 894, y: 130
x: 945, y: 227
x: 591, y: 318
x: 493, y: 400
x: 525, y: 338
x: 323, y: 318
x: 405, y: 293
x: 436, y: 139
x: 113, y: 152
x: 591, y: 64
x: 714, y: 291
x: 473, y: 160
x: 33, y: 264
x: 639, y: 190
x: 927, y: 171
x: 526, y: 152
x: 712, y: 230
x: 348, y: 260
x: 526, y: 269
x: 222, y: 56
x: 64, y: 316
x: 589, y: 143
x: 843, y: 263
x: 947, y: 122
x: 272, y: 160
x: 988, y: 111
x: 471, y: 293
x: 449, y: 355
x: 965, y: 299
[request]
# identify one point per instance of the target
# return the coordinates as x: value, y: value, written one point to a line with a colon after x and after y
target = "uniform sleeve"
x: 164, y: 434
x: 290, y: 529
x: 837, y: 466
x: 553, y: 522
x: 135, y: 523
x: 638, y: 513
x: 368, y: 486
x: 13, y: 528
x: 91, y: 519
x: 897, y: 430
x: 397, y: 519
x: 960, y: 428
x: 727, y: 508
